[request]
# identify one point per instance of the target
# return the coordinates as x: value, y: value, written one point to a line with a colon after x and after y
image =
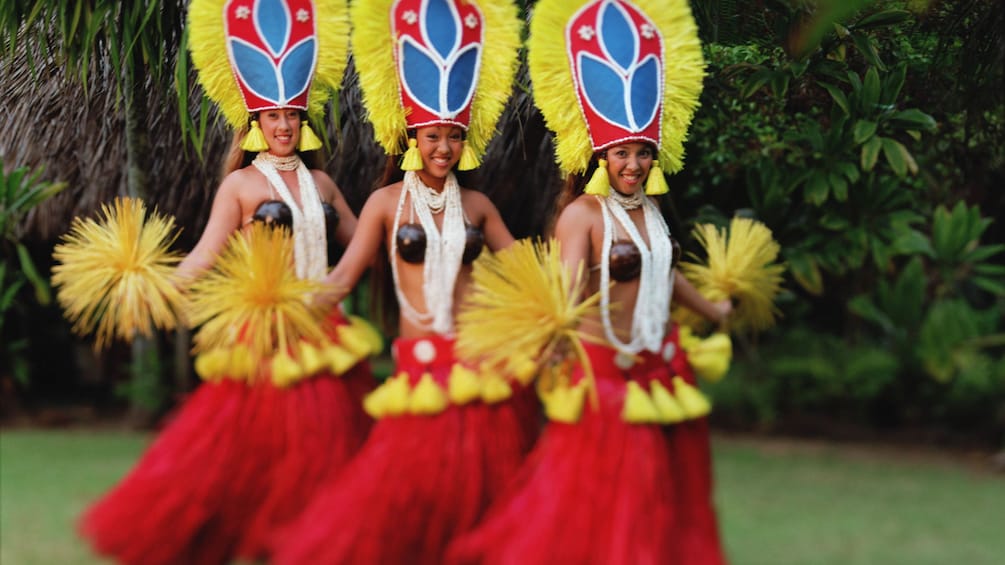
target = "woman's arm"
x: 366, y: 241
x: 497, y: 235
x: 224, y: 219
x: 347, y: 220
x: 685, y: 293
x: 572, y: 230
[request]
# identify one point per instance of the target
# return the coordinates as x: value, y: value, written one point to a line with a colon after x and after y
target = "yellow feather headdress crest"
x: 611, y: 71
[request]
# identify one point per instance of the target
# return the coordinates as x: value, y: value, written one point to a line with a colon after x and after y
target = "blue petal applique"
x: 272, y: 19
x: 442, y: 27
x: 420, y: 75
x: 617, y: 35
x: 604, y: 89
x: 256, y: 69
x: 645, y: 92
x: 296, y: 68
x: 461, y: 80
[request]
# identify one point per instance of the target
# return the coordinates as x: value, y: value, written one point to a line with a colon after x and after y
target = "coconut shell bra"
x: 411, y: 240
x: 626, y: 261
x: 277, y: 213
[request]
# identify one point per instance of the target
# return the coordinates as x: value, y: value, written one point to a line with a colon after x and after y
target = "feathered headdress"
x: 634, y: 70
x: 255, y: 55
x: 435, y: 62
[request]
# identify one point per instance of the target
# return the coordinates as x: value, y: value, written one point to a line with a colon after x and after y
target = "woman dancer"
x: 449, y: 436
x: 602, y: 485
x: 245, y: 453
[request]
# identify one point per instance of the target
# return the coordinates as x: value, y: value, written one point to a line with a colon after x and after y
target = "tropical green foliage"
x: 20, y: 192
x: 830, y: 134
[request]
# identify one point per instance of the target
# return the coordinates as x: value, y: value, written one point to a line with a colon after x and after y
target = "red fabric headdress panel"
x: 616, y: 56
x: 438, y: 51
x: 272, y: 46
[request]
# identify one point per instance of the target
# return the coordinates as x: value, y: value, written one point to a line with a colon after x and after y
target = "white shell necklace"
x: 310, y: 240
x: 444, y: 250
x: 652, y: 305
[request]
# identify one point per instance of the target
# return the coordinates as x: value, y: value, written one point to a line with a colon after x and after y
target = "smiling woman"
x: 280, y: 411
x: 449, y: 435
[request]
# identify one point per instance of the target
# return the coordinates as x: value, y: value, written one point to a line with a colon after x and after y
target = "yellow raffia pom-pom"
x: 254, y: 140
x: 412, y: 160
x: 390, y: 398
x: 522, y: 302
x: 564, y: 403
x: 555, y: 91
x: 599, y: 183
x: 656, y: 184
x: 638, y: 407
x: 669, y: 409
x: 354, y: 338
x: 213, y: 364
x: 374, y: 339
x: 240, y: 363
x: 709, y: 357
x: 464, y: 385
x: 285, y: 370
x: 469, y: 161
x: 693, y: 402
x: 252, y: 296
x: 308, y: 139
x: 741, y: 267
x: 312, y: 359
x: 116, y: 276
x: 495, y: 389
x: 427, y: 397
x: 522, y: 368
x: 340, y: 359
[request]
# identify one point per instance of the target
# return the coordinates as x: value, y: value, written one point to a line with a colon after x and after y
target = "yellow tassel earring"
x: 308, y: 140
x: 412, y: 161
x: 600, y: 183
x: 656, y: 183
x: 468, y: 160
x: 255, y: 140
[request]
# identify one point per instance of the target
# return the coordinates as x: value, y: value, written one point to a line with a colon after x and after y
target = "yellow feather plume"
x: 373, y: 50
x: 252, y: 296
x: 208, y: 44
x: 555, y: 93
x: 739, y: 266
x: 116, y: 275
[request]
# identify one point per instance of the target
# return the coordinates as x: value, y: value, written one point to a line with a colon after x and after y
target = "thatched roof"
x: 77, y: 135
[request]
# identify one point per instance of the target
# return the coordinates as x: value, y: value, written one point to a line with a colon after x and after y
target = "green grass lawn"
x: 779, y: 502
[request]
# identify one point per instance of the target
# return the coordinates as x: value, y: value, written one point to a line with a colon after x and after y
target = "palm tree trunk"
x: 145, y: 368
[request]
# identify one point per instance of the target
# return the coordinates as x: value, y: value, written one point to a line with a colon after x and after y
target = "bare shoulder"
x: 474, y: 200
x: 583, y: 210
x: 385, y: 198
x: 326, y: 185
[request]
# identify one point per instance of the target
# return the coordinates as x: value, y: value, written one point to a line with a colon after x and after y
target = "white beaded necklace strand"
x: 310, y: 240
x: 444, y: 250
x: 652, y: 305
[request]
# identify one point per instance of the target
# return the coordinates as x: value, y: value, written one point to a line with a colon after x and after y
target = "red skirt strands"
x: 691, y: 449
x: 236, y: 461
x: 419, y: 481
x: 596, y: 491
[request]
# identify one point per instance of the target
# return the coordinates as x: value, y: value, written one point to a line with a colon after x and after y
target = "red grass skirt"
x: 691, y: 449
x: 419, y: 481
x: 235, y: 462
x: 597, y: 491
